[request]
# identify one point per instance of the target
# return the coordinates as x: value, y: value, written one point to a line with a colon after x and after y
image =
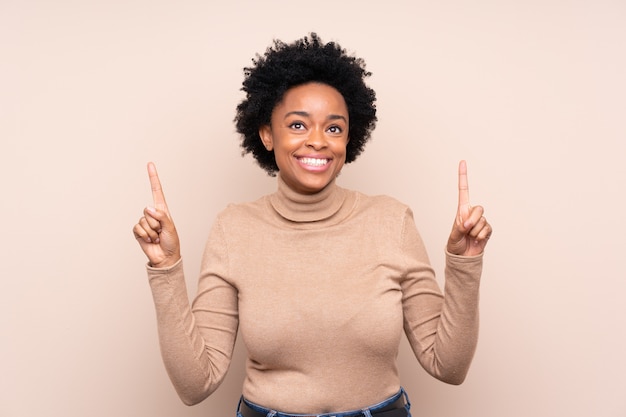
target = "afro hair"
x: 284, y: 66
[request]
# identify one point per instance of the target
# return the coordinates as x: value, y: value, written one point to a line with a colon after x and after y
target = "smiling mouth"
x: 314, y: 162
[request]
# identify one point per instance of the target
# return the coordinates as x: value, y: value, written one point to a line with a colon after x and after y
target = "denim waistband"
x: 364, y: 412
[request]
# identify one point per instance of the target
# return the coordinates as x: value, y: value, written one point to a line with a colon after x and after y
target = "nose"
x: 316, y: 139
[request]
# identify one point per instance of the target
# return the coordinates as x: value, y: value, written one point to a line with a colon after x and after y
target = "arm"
x: 443, y: 328
x: 196, y: 356
x: 197, y: 340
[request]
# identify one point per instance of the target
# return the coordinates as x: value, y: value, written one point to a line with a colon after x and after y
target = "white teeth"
x: 314, y: 161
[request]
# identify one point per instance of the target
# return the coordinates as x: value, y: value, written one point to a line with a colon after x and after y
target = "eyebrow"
x: 306, y: 114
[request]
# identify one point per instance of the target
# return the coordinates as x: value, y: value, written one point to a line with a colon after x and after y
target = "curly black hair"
x: 284, y: 66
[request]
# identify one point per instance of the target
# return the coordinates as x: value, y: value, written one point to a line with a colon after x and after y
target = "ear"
x: 265, y: 132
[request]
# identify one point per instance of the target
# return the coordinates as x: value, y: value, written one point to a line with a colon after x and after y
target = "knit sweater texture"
x: 320, y: 289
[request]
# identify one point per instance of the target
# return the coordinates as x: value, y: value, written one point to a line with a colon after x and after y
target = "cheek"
x: 341, y: 148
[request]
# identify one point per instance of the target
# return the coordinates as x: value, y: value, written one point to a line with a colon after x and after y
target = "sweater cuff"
x: 466, y: 268
x: 152, y: 271
x: 464, y: 259
x: 165, y: 282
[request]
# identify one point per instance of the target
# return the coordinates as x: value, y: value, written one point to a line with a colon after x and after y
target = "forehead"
x: 311, y: 97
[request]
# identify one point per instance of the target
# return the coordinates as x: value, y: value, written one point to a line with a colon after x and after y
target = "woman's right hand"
x: 155, y: 230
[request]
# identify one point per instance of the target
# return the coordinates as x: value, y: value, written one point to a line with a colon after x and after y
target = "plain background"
x: 531, y: 93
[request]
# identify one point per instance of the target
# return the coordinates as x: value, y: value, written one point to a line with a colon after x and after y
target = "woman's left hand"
x: 470, y: 231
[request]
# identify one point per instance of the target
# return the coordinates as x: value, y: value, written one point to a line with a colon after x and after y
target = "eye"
x: 297, y: 126
x: 335, y: 129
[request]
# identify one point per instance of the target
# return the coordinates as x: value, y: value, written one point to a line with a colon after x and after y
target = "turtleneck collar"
x: 303, y: 208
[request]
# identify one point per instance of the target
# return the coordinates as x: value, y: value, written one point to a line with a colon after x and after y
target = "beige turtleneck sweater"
x: 321, y: 288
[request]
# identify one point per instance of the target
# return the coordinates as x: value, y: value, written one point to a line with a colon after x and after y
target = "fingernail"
x: 151, y: 209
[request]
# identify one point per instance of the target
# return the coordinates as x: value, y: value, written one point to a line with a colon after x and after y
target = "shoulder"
x: 383, y: 205
x: 381, y: 212
x: 238, y: 213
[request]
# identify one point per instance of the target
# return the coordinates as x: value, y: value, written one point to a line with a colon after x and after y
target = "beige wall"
x: 531, y: 93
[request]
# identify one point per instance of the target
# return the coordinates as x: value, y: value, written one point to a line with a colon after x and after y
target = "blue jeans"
x: 365, y: 412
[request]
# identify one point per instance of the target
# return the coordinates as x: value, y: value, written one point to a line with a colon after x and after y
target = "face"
x: 309, y: 134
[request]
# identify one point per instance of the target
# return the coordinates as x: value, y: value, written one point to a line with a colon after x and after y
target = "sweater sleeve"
x: 442, y: 328
x: 196, y: 341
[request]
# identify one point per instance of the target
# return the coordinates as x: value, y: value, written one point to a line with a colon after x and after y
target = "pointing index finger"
x: 463, y: 185
x: 157, y: 191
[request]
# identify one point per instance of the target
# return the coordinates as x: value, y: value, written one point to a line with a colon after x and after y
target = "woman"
x: 320, y: 281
